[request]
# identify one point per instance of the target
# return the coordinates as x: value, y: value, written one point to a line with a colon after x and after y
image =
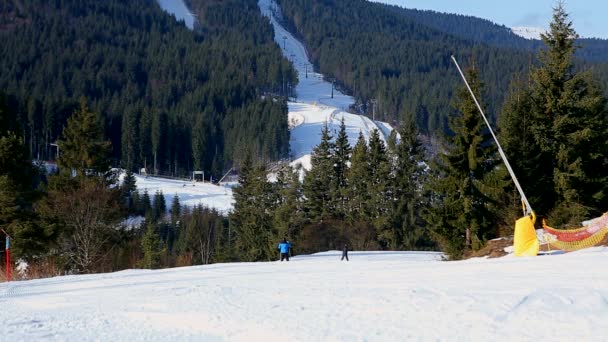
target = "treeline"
x: 402, y: 57
x: 170, y: 99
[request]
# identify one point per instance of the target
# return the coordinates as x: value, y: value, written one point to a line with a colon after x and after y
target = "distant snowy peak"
x: 528, y: 32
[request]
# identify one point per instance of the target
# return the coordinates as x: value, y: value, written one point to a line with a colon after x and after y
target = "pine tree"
x: 409, y: 179
x: 358, y: 176
x: 198, y: 142
x: 160, y: 206
x: 129, y: 141
x: 288, y: 214
x: 570, y: 126
x: 379, y: 190
x: 175, y: 209
x: 127, y: 189
x: 465, y: 181
x: 83, y: 147
x: 145, y: 205
x: 17, y: 193
x: 151, y: 246
x: 318, y: 181
x: 341, y: 161
x: 251, y: 218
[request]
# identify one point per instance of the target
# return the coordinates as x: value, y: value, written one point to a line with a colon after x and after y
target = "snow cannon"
x: 525, y: 242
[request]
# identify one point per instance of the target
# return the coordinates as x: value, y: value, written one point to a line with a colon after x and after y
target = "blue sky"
x: 590, y: 17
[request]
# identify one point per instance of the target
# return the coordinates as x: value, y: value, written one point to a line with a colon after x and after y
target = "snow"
x: 528, y: 32
x: 376, y: 296
x: 190, y: 193
x: 179, y: 9
x: 314, y: 105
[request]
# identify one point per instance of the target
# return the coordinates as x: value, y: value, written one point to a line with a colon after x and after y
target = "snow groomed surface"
x: 376, y: 296
x: 314, y: 105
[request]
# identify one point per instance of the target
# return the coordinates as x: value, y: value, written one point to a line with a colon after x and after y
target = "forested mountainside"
x: 387, y: 53
x: 485, y: 31
x: 170, y: 98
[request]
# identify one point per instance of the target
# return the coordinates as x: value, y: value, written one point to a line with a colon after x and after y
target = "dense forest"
x: 171, y: 100
x: 401, y: 57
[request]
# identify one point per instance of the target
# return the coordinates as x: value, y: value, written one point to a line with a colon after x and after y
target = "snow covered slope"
x: 528, y: 32
x: 314, y: 105
x: 190, y: 194
x: 179, y: 9
x: 375, y: 297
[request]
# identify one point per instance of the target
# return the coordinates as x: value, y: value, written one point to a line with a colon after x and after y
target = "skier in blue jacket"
x: 284, y: 248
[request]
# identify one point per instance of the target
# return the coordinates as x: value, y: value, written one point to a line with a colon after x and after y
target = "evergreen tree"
x: 318, y: 181
x: 83, y: 147
x: 160, y: 206
x: 127, y: 189
x: 465, y: 184
x: 358, y: 176
x: 288, y: 215
x: 341, y: 161
x: 129, y: 141
x: 145, y: 204
x: 379, y: 190
x: 409, y: 230
x: 151, y: 246
x: 175, y: 209
x: 17, y: 194
x: 251, y: 218
x: 198, y: 142
x: 570, y: 126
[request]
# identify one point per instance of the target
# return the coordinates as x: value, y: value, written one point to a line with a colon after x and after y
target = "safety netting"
x: 591, y: 234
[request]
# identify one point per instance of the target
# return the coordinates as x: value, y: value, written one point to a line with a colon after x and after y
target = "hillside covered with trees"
x: 170, y: 99
x: 401, y: 57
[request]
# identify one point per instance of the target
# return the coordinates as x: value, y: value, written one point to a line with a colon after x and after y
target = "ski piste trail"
x: 376, y: 296
x: 314, y: 105
x: 307, y: 114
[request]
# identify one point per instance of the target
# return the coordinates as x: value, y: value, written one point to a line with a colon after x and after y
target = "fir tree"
x: 251, y: 218
x: 160, y: 206
x: 465, y: 183
x: 151, y: 246
x: 175, y: 209
x: 341, y: 161
x: 83, y: 147
x: 358, y: 176
x: 288, y: 215
x: 318, y: 181
x: 379, y: 190
x: 570, y: 126
x: 409, y: 180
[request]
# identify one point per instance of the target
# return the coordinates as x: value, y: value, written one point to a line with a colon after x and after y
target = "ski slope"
x: 190, y: 194
x: 314, y: 105
x: 377, y: 296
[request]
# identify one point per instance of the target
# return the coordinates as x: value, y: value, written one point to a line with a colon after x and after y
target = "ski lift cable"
x: 528, y: 208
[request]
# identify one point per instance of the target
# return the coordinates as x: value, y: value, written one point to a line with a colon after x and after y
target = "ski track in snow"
x: 376, y: 296
x: 314, y: 105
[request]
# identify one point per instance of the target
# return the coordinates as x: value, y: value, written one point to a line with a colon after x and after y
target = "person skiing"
x: 344, y: 253
x: 284, y: 248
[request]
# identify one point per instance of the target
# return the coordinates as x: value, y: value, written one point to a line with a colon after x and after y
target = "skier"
x: 344, y: 253
x: 284, y: 248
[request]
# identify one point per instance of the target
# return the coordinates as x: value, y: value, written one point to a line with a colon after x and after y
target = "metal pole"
x: 500, y: 151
